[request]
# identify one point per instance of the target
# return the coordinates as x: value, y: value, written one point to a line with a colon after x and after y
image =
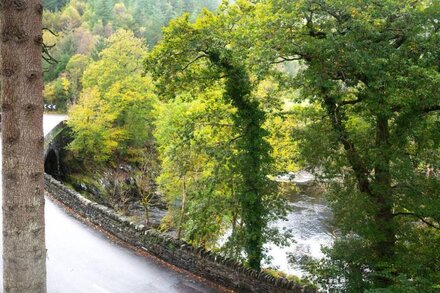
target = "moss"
x: 95, y: 191
x: 292, y: 278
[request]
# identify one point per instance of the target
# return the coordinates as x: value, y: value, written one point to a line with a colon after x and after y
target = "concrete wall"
x: 196, y: 260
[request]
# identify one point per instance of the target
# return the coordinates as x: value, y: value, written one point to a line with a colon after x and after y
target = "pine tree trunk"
x: 24, y: 252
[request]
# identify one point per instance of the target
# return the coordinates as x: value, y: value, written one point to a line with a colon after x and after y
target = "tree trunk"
x: 182, y: 209
x: 24, y: 252
x: 385, y: 244
x: 337, y: 118
x: 253, y: 158
x: 379, y: 190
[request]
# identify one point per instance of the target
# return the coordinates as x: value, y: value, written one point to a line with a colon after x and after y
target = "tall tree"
x: 24, y: 251
x: 371, y: 71
x: 113, y: 114
x: 213, y: 50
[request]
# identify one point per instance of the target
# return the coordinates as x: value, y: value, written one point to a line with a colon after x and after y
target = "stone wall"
x: 183, y: 255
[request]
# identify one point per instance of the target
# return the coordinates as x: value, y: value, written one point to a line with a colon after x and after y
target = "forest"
x: 198, y: 105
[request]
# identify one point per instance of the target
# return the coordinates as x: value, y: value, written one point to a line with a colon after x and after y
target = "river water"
x: 310, y: 225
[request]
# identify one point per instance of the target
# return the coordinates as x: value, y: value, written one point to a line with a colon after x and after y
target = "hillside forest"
x: 193, y: 107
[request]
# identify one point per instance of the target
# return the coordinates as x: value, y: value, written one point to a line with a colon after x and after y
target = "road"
x: 82, y: 260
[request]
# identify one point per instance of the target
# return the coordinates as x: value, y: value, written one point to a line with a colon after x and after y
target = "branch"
x: 282, y: 59
x: 431, y: 109
x: 230, y: 141
x: 310, y: 25
x: 418, y: 217
x: 47, y: 56
x: 336, y: 118
x: 216, y: 124
x: 46, y: 49
x: 194, y: 61
x: 236, y: 138
x: 340, y: 17
x: 50, y: 31
x: 423, y: 110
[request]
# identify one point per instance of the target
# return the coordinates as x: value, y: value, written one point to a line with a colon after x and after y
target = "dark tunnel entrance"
x: 52, y: 165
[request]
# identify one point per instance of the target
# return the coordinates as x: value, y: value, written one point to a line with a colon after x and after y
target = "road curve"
x: 82, y: 260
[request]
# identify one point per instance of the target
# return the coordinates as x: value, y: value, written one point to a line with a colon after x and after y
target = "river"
x: 310, y: 224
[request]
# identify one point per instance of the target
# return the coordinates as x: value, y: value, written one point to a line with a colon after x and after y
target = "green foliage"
x: 194, y: 145
x: 114, y: 110
x: 370, y: 74
x: 54, y: 5
x: 346, y: 88
x: 121, y: 58
x: 75, y: 69
x: 58, y: 92
x: 80, y: 25
x: 293, y: 278
x: 193, y: 57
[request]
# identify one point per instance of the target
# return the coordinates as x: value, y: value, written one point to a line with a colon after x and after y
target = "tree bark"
x: 24, y: 252
x: 182, y: 209
x: 379, y: 189
x: 337, y: 119
x: 383, y: 194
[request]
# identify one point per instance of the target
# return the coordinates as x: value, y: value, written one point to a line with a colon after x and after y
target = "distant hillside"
x: 78, y: 29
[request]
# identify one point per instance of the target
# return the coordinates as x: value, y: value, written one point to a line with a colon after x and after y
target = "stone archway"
x: 52, y: 164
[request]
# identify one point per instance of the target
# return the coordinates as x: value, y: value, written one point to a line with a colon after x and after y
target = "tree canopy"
x: 114, y: 111
x: 227, y: 98
x: 371, y: 69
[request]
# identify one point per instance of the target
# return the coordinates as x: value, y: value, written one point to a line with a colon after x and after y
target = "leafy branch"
x: 421, y: 218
